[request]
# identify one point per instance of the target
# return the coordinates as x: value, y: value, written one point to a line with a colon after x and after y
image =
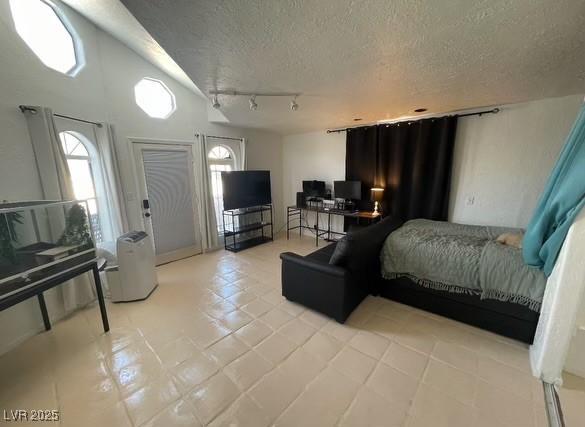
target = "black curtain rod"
x: 479, y: 113
x: 24, y: 108
x: 99, y: 125
x: 219, y: 137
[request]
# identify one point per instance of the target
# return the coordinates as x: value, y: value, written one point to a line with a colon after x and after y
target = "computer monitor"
x: 314, y: 188
x: 348, y: 190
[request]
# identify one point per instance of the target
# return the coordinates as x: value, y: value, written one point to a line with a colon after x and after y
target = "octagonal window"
x: 155, y: 98
x: 48, y: 34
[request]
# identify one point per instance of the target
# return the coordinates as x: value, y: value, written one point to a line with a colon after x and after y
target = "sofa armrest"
x: 318, y: 286
x: 302, y: 262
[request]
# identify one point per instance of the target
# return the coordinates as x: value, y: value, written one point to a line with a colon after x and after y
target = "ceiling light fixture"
x: 215, y: 102
x: 294, y: 106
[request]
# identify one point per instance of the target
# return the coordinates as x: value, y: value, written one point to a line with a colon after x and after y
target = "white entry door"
x: 169, y: 208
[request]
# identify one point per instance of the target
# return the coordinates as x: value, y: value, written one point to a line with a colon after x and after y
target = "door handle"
x: 147, y: 214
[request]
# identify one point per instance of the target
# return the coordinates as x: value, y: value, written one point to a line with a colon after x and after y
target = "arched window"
x: 82, y: 177
x: 220, y: 159
x: 220, y: 153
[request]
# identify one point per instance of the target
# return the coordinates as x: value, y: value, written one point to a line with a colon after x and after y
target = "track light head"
x: 253, y: 105
x: 215, y: 103
x: 293, y: 104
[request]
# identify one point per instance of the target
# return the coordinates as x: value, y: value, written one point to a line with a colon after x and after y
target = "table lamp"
x: 377, y: 194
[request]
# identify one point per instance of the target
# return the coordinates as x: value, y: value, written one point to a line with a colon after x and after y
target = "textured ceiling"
x: 371, y: 59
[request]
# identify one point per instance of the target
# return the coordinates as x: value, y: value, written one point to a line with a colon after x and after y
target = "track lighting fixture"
x: 253, y: 104
x: 215, y: 102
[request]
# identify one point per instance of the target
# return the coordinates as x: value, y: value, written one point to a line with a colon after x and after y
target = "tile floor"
x: 216, y: 344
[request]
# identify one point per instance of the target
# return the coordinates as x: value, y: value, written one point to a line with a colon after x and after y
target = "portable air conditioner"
x: 134, y: 278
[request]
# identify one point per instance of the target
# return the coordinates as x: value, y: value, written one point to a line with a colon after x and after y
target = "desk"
x: 294, y: 213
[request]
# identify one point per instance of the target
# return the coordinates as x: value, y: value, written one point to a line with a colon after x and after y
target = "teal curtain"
x: 562, y: 200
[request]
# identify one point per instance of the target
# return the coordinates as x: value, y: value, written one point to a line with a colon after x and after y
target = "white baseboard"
x: 575, y: 363
x: 40, y: 328
x: 6, y: 347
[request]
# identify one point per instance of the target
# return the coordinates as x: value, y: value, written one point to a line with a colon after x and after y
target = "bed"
x: 462, y: 272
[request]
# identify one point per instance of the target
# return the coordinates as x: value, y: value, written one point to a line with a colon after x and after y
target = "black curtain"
x: 361, y: 154
x: 412, y: 161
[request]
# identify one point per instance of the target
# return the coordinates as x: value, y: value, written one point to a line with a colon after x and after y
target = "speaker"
x: 301, y: 200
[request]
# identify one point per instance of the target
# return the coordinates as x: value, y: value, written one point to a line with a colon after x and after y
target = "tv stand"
x: 238, y: 223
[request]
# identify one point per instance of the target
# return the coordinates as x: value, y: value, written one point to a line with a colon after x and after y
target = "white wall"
x: 264, y: 153
x: 501, y: 161
x: 101, y: 91
x: 309, y: 156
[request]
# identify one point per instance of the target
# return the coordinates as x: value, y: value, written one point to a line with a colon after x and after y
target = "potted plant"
x: 76, y: 228
x: 8, y: 235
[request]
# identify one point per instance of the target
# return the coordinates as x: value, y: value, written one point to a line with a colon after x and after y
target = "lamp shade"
x: 377, y: 194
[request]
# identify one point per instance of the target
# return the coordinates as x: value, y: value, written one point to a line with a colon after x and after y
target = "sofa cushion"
x: 360, y: 250
x: 342, y: 252
x: 323, y: 254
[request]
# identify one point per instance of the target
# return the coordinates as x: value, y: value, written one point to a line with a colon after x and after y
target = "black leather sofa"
x: 336, y: 278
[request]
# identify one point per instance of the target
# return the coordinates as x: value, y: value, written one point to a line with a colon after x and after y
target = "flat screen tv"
x: 348, y: 190
x: 314, y: 188
x: 244, y: 189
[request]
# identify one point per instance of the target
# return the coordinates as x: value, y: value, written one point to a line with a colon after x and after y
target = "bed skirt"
x: 504, y: 318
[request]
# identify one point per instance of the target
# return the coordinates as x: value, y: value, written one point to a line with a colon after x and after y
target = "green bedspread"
x: 462, y: 259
